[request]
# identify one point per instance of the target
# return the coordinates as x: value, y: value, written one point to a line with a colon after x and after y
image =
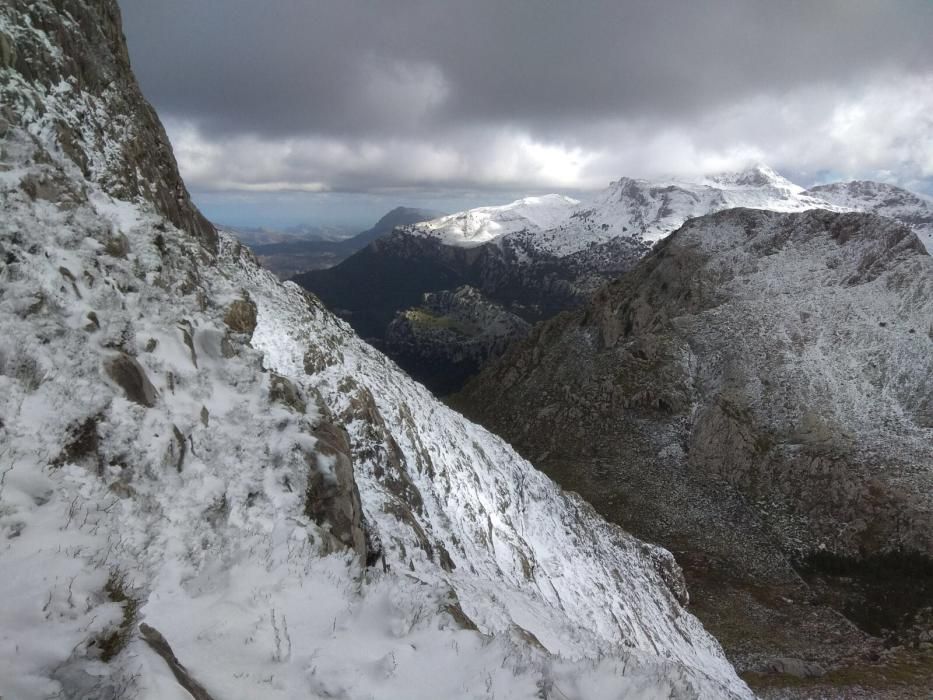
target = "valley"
x: 668, y: 438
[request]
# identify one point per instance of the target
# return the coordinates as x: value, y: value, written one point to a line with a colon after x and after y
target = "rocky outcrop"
x: 913, y: 210
x: 160, y: 646
x: 333, y: 499
x: 446, y: 339
x: 91, y: 102
x: 131, y: 377
x: 755, y: 392
x: 241, y: 316
x: 388, y: 279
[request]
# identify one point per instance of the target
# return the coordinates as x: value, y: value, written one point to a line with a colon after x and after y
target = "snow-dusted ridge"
x: 175, y: 427
x: 474, y: 227
x: 914, y: 210
x: 652, y: 209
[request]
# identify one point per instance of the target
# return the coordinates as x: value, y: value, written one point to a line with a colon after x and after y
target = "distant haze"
x: 292, y: 110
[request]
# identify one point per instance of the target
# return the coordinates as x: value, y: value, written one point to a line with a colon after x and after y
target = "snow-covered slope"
x: 477, y: 226
x: 652, y: 209
x: 913, y: 210
x: 758, y: 394
x: 193, y: 454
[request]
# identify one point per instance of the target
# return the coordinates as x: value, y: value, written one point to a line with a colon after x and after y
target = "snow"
x: 221, y: 556
x: 474, y: 227
x: 194, y: 507
x: 652, y: 209
x: 914, y: 210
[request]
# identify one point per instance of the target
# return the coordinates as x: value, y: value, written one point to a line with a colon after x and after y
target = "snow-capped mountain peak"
x: 759, y: 176
x: 474, y: 227
x: 651, y: 209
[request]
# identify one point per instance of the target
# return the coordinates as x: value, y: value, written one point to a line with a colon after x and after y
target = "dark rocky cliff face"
x: 386, y: 281
x: 447, y: 339
x: 81, y: 87
x: 758, y: 395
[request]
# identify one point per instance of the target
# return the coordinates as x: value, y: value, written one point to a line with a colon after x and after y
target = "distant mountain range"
x: 254, y: 236
x: 300, y: 248
x: 539, y: 256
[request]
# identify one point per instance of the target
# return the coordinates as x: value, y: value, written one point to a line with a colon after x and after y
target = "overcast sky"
x: 330, y: 111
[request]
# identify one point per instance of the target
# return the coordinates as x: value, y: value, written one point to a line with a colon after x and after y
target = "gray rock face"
x: 756, y: 393
x: 333, y: 499
x: 131, y: 377
x: 913, y: 210
x: 101, y: 120
x: 450, y: 335
x: 787, y: 355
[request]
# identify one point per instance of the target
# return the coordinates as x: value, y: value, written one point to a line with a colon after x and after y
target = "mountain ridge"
x: 755, y: 394
x: 211, y: 485
x: 539, y: 256
x: 293, y: 256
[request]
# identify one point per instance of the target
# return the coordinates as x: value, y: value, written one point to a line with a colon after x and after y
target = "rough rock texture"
x: 333, y: 498
x: 789, y: 355
x: 241, y: 316
x: 393, y: 274
x: 755, y: 395
x: 160, y: 646
x: 912, y: 210
x: 221, y: 513
x: 80, y: 84
x: 131, y: 377
x: 446, y: 339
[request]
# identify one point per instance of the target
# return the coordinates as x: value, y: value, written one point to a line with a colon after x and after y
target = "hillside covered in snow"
x: 757, y: 395
x: 539, y: 256
x: 210, y: 487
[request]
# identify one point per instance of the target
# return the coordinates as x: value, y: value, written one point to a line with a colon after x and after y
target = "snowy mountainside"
x: 474, y: 227
x: 913, y: 210
x: 652, y: 209
x: 535, y: 257
x: 208, y: 482
x: 188, y: 484
x: 755, y: 394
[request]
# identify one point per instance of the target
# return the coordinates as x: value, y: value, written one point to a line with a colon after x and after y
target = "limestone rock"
x: 131, y: 377
x: 333, y: 498
x: 241, y: 316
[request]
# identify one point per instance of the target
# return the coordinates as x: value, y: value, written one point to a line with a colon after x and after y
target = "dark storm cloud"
x: 350, y: 94
x: 294, y: 66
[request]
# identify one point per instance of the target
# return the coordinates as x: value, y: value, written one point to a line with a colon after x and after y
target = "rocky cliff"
x: 211, y: 488
x: 756, y: 394
x: 447, y: 339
